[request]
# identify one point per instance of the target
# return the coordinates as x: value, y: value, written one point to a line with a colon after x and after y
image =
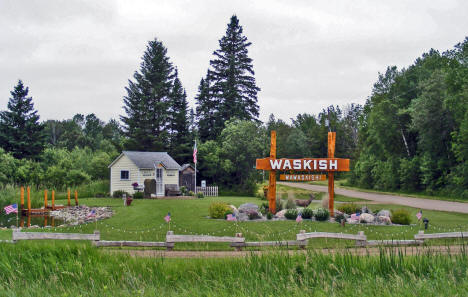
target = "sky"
x: 77, y: 56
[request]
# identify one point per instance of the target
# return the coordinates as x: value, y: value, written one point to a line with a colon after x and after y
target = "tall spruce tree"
x: 148, y: 100
x: 230, y: 83
x: 180, y: 137
x: 20, y: 130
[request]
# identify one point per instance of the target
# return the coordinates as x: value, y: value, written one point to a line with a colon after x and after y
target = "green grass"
x: 144, y: 221
x: 58, y: 269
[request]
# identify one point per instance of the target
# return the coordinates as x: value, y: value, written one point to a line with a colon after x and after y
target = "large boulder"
x: 246, y: 207
x: 384, y: 220
x: 242, y: 217
x: 384, y: 213
x: 366, y: 218
x: 280, y: 214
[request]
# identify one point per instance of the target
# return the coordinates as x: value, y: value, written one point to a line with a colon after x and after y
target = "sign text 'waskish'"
x: 302, y: 177
x: 306, y: 164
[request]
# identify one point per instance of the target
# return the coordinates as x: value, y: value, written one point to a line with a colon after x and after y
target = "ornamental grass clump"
x: 349, y: 208
x: 307, y: 213
x: 321, y: 214
x: 400, y: 216
x: 291, y: 214
x: 219, y: 210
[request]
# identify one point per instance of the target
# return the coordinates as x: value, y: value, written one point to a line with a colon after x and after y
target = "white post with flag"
x: 195, y: 151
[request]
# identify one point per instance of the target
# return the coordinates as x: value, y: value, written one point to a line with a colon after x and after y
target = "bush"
x: 307, y: 213
x: 279, y: 204
x: 264, y: 208
x: 183, y: 190
x: 290, y: 204
x: 349, y: 208
x: 191, y: 193
x: 339, y: 217
x: 200, y: 195
x: 269, y: 215
x: 400, y: 216
x: 291, y: 214
x: 321, y: 214
x: 119, y: 194
x: 219, y: 210
x: 138, y: 195
x: 101, y: 195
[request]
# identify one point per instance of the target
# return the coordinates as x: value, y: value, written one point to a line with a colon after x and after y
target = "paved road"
x: 389, y: 199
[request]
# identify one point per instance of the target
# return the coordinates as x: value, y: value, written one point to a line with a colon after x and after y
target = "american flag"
x: 91, y: 214
x: 231, y: 217
x: 11, y: 208
x: 419, y: 215
x: 195, y: 151
x: 168, y: 217
x: 299, y: 218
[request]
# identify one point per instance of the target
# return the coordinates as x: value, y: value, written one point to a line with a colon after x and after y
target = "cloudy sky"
x: 77, y: 56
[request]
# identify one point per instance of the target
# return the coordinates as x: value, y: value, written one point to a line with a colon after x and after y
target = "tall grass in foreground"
x: 57, y: 269
x: 10, y: 194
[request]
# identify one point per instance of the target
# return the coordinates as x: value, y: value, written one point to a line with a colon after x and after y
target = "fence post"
x: 361, y: 242
x: 68, y: 196
x: 238, y: 248
x: 169, y: 245
x: 45, y: 199
x: 303, y: 242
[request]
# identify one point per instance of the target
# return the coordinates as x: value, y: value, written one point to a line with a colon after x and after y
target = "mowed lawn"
x: 144, y: 220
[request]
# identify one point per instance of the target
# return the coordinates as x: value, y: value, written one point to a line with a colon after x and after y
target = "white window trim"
x: 125, y: 178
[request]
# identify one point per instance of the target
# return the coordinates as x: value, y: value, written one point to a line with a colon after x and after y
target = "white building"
x: 155, y: 171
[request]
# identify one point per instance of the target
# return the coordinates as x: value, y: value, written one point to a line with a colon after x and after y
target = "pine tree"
x: 180, y: 137
x: 148, y: 100
x: 231, y: 84
x: 20, y: 130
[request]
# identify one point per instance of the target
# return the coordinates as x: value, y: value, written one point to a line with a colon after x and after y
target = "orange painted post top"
x: 68, y: 197
x: 271, y: 195
x: 45, y: 199
x: 29, y: 199
x: 53, y: 199
x: 22, y: 198
x: 76, y: 197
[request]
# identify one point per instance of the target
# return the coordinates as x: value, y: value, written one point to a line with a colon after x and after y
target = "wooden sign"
x: 330, y: 165
x: 303, y: 177
x: 306, y: 164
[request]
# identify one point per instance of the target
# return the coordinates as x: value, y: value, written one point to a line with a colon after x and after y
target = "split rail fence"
x: 238, y: 241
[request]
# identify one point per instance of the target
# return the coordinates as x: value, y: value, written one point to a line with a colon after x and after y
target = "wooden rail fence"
x: 208, y: 191
x: 18, y: 235
x: 422, y: 236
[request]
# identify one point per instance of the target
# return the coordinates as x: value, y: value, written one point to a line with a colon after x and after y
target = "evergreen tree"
x: 230, y: 83
x: 148, y: 100
x: 20, y: 130
x: 180, y: 138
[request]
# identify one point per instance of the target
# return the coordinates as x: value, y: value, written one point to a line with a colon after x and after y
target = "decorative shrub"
x: 191, y: 193
x: 119, y: 194
x: 291, y: 214
x: 339, y: 217
x: 291, y: 204
x: 138, y: 195
x: 349, y: 208
x: 400, y: 216
x: 279, y: 204
x: 200, y: 195
x: 307, y: 213
x: 321, y: 214
x: 218, y: 210
x: 101, y: 195
x: 269, y: 215
x: 183, y: 190
x: 264, y: 208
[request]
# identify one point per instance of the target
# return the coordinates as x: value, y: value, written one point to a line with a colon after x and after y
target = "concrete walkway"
x: 389, y: 199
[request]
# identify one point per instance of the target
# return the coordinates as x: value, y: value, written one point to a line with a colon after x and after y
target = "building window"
x: 170, y: 173
x: 124, y: 174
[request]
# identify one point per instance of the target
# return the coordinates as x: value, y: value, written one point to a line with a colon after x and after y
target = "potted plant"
x: 129, y: 201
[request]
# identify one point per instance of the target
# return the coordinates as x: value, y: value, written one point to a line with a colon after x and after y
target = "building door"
x: 150, y: 187
x: 159, y: 182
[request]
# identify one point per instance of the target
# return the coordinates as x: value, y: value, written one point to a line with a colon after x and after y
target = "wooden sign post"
x: 330, y: 165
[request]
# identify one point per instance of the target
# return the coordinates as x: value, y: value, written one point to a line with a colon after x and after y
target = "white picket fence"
x: 208, y: 191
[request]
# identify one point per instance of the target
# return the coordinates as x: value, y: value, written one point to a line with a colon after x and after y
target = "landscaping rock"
x: 82, y: 214
x: 242, y: 217
x: 384, y: 220
x: 234, y: 209
x: 246, y: 207
x: 366, y: 218
x: 384, y: 213
x: 280, y: 214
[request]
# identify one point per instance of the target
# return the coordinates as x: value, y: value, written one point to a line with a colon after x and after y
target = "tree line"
x: 411, y: 134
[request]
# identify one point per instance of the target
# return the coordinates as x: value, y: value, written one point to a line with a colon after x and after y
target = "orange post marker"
x: 271, y: 195
x: 76, y: 198
x: 68, y: 196
x: 53, y: 199
x: 29, y: 200
x: 22, y: 198
x: 331, y: 178
x: 45, y: 199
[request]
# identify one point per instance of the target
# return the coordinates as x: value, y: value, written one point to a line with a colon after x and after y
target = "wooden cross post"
x: 331, y: 177
x: 271, y: 195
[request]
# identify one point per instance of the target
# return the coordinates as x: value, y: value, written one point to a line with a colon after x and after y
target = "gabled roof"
x: 147, y: 160
x: 185, y: 166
